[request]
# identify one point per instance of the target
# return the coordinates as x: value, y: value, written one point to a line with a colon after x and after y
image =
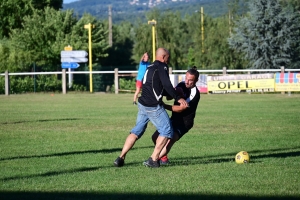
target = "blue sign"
x: 71, y: 65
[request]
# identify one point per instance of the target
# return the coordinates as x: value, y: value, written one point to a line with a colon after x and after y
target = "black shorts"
x: 180, y: 129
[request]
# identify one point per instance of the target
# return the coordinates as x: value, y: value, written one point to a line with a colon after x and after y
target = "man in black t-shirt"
x: 182, y: 117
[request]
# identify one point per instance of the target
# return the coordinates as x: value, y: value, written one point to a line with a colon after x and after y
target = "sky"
x: 69, y: 1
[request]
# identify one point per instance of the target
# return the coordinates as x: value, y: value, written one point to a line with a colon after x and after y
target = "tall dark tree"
x: 12, y: 12
x: 269, y: 36
x: 120, y: 53
x: 41, y: 4
x: 295, y: 4
x: 170, y: 32
x: 143, y: 41
x: 46, y: 33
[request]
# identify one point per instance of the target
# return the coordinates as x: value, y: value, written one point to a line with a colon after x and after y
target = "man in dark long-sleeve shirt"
x: 156, y: 84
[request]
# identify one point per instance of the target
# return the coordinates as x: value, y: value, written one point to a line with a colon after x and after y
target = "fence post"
x: 224, y: 71
x: 64, y: 82
x: 6, y: 83
x: 170, y: 70
x: 116, y: 81
x: 289, y: 92
x: 282, y: 71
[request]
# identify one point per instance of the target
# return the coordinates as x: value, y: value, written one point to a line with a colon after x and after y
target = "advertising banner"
x: 241, y: 83
x: 287, y: 82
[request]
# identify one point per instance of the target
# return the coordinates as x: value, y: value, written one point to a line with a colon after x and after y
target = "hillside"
x: 130, y: 10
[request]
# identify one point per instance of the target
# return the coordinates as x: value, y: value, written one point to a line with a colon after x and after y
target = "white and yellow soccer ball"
x: 242, y: 157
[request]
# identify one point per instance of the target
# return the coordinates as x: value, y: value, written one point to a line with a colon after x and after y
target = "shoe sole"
x: 166, y: 163
x: 118, y: 165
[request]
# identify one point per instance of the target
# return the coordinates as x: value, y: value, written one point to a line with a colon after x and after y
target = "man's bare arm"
x: 175, y: 108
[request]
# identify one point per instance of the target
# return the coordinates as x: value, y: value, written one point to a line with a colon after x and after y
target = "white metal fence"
x: 118, y: 74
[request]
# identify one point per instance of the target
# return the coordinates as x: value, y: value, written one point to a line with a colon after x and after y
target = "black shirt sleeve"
x: 165, y: 80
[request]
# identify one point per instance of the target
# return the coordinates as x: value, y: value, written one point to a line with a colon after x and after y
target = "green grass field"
x: 63, y: 147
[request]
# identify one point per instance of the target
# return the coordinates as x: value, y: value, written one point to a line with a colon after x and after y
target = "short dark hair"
x: 194, y: 71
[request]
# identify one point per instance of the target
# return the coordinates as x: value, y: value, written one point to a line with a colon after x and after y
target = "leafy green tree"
x: 43, y: 36
x: 184, y: 40
x: 295, y: 4
x: 46, y: 33
x: 120, y: 54
x: 12, y: 12
x: 79, y: 36
x: 268, y: 37
x: 215, y: 52
x: 212, y: 50
x: 170, y: 34
x: 12, y: 58
x: 41, y: 4
x: 143, y: 41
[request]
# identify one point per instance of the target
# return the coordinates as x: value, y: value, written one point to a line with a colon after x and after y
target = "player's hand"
x: 145, y: 57
x: 183, y: 107
x: 183, y: 102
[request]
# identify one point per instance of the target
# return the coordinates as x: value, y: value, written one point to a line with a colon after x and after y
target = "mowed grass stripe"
x: 63, y: 146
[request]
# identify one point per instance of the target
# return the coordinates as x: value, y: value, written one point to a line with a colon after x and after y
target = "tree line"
x: 253, y: 34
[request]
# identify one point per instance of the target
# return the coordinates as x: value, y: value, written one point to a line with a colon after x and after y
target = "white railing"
x: 132, y: 73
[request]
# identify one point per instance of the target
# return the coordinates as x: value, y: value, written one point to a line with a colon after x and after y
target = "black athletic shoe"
x: 119, y: 162
x: 151, y: 163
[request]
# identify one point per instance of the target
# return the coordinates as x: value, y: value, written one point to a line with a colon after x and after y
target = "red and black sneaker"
x: 164, y: 160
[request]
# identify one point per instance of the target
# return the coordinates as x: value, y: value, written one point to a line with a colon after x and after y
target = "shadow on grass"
x: 40, y: 120
x: 70, y: 153
x: 63, y: 154
x: 177, y: 161
x: 54, y: 173
x: 290, y: 152
x: 125, y: 196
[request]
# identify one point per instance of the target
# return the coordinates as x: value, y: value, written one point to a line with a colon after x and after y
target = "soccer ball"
x: 242, y: 157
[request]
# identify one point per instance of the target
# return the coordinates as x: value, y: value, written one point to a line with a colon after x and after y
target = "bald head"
x: 162, y: 55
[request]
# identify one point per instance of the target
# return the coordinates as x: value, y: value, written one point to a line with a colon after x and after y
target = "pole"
x: 282, y: 71
x: 90, y: 57
x: 153, y: 23
x: 229, y: 23
x: 109, y: 26
x: 7, y: 83
x: 202, y: 28
x: 70, y: 77
x: 34, y: 78
x: 89, y: 26
x: 153, y: 42
x: 64, y: 81
x: 116, y: 80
